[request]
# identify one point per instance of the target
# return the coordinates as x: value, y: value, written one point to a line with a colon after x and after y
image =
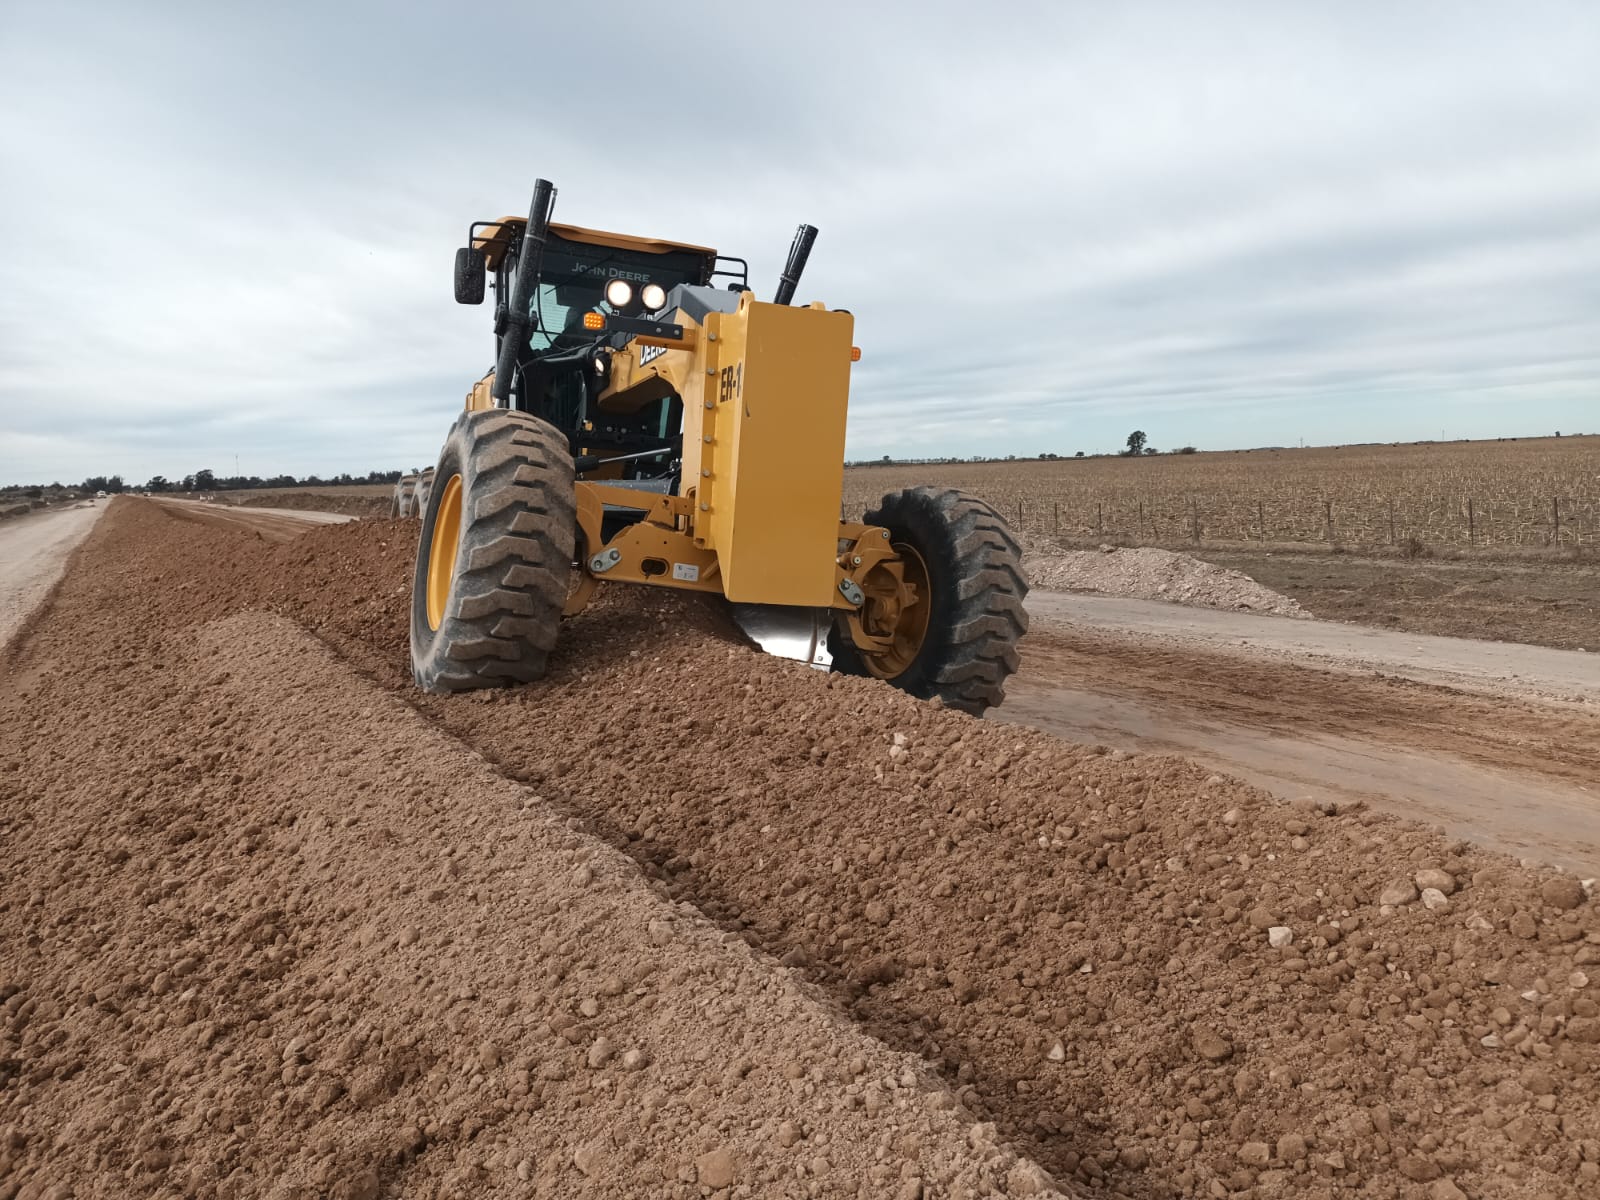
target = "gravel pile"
x: 1147, y: 573
x: 1151, y: 980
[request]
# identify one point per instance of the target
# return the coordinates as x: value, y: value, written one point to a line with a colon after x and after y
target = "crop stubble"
x: 1533, y: 493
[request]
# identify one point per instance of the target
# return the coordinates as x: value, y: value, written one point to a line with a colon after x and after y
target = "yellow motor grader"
x: 649, y: 421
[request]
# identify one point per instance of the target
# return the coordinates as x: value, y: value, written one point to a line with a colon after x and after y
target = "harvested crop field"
x: 1500, y: 496
x: 684, y: 920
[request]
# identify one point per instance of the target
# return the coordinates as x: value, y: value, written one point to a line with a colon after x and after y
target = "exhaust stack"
x: 799, y: 251
x: 515, y: 342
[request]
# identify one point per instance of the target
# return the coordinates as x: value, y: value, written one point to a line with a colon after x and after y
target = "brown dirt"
x: 1541, y: 601
x: 1078, y: 941
x: 356, y: 500
x: 266, y: 932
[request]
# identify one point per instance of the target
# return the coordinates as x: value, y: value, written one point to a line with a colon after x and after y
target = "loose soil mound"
x: 1147, y: 573
x: 356, y: 502
x: 1152, y: 980
x: 267, y: 933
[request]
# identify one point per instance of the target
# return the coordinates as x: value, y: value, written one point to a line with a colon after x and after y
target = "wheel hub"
x: 900, y: 610
x: 442, y: 548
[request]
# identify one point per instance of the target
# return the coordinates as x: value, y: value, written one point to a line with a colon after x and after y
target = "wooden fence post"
x: 1058, y: 516
x: 1392, y: 538
x: 1141, y: 520
x: 1019, y: 514
x: 1555, y: 514
x: 1472, y: 524
x: 1261, y: 520
x: 1100, y: 519
x: 1194, y: 521
x: 1327, y: 512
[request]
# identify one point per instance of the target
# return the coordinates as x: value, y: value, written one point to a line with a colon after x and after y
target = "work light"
x: 619, y: 292
x: 654, y: 296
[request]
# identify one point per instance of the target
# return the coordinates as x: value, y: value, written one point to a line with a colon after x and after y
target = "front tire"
x: 494, y: 554
x: 962, y: 644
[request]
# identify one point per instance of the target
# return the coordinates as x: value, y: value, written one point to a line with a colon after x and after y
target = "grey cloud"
x: 227, y: 232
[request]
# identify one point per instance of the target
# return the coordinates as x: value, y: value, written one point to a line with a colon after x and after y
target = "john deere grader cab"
x: 649, y: 421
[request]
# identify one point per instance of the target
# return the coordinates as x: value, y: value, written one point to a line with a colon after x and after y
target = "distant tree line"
x: 201, y: 481
x: 207, y: 481
x: 1138, y: 445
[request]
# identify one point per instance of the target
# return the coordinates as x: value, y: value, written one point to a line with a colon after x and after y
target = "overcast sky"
x: 226, y: 230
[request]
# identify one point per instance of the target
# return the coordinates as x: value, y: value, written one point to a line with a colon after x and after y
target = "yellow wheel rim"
x: 911, y: 626
x: 442, y: 550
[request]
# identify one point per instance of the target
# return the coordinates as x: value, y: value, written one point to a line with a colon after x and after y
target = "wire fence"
x: 1555, y: 522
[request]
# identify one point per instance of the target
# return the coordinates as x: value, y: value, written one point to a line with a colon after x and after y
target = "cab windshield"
x: 572, y: 280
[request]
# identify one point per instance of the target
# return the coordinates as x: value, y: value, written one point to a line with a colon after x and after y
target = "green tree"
x: 1136, y: 443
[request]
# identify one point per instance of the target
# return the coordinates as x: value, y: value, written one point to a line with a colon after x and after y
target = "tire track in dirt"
x: 1155, y: 981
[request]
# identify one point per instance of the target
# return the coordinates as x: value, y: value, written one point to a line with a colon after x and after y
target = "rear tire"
x: 400, y: 505
x: 974, y: 564
x: 501, y: 524
x: 420, y: 493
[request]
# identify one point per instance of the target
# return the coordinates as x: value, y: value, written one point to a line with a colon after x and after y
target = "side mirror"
x: 470, y: 269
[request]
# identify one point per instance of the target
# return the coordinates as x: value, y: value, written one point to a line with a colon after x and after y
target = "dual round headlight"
x: 619, y: 294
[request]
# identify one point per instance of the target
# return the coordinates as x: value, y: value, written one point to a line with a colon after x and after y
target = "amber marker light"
x: 594, y: 320
x: 855, y: 353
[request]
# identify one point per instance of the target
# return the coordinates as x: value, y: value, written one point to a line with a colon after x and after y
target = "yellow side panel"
x: 780, y: 387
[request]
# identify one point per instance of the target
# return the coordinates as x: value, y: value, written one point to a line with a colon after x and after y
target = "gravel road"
x: 1495, y: 742
x: 33, y: 552
x: 1502, y: 668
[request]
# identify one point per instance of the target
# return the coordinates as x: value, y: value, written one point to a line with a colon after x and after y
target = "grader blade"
x: 788, y: 631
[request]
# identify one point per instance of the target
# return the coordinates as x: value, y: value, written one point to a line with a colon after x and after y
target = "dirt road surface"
x: 1497, y: 743
x: 1539, y: 599
x: 33, y: 553
x: 275, y: 923
x: 1503, y: 668
x: 278, y: 524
